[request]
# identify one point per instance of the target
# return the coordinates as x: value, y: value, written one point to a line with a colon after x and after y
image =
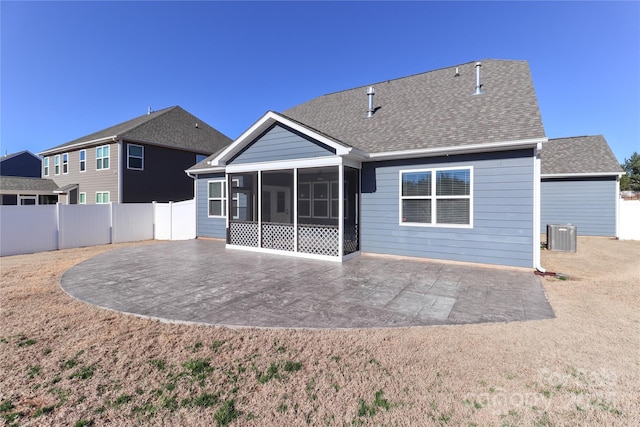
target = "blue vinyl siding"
x: 589, y: 204
x: 280, y: 143
x: 205, y: 226
x: 502, y: 230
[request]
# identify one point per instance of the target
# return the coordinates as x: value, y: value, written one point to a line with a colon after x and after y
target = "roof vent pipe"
x: 478, y: 85
x: 370, y: 93
x: 148, y: 110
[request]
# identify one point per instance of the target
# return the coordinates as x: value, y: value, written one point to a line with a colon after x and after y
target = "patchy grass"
x: 86, y: 366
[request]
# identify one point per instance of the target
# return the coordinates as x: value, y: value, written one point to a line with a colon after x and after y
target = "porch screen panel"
x: 351, y: 210
x: 277, y: 210
x: 243, y: 212
x: 318, y: 231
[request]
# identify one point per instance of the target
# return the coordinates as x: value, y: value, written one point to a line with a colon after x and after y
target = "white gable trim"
x: 262, y: 125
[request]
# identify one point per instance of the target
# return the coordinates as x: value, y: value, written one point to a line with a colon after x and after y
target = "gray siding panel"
x: 281, y: 144
x: 589, y: 204
x: 205, y: 226
x: 502, y: 230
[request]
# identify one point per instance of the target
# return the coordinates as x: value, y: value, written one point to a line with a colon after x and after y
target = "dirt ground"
x: 63, y: 362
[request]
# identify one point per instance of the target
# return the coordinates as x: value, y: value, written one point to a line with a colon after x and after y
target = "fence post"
x: 58, y: 221
x: 110, y: 223
x: 154, y: 219
x: 170, y: 221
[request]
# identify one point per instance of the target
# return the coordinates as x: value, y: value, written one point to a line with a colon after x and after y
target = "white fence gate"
x: 629, y: 220
x: 29, y: 229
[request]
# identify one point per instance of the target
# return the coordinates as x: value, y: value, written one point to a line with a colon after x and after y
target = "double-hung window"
x: 135, y: 157
x: 65, y: 163
x: 56, y: 164
x: 46, y: 166
x: 102, y: 197
x: 82, y: 198
x: 83, y: 160
x: 217, y: 197
x: 102, y: 157
x: 436, y: 197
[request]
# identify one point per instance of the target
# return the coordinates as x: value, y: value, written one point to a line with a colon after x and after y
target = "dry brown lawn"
x: 63, y: 362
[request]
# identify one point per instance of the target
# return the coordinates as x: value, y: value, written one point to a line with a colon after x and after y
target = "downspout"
x: 536, y: 209
x: 120, y: 171
x: 617, y: 207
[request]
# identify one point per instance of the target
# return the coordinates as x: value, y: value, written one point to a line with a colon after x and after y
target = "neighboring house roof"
x: 22, y: 163
x: 22, y: 185
x: 171, y: 127
x: 436, y: 109
x: 580, y: 155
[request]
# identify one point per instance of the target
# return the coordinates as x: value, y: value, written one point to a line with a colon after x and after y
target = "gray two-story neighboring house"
x: 140, y: 160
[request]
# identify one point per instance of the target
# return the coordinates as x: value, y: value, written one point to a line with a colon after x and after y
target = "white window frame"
x: 56, y: 164
x: 305, y: 199
x: 434, y: 198
x: 129, y: 156
x: 236, y: 199
x: 222, y: 199
x: 82, y: 162
x: 101, y: 158
x: 45, y: 164
x: 101, y: 194
x: 82, y: 198
x: 327, y: 184
x: 23, y: 197
x: 65, y: 163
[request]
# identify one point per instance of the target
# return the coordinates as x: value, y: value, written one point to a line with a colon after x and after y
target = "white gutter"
x: 580, y: 175
x: 113, y: 138
x: 464, y: 149
x: 121, y: 160
x: 536, y: 209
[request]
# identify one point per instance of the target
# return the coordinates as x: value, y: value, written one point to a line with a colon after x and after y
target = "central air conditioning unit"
x: 561, y: 237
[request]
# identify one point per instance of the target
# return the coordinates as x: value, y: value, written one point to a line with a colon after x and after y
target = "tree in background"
x: 631, y: 180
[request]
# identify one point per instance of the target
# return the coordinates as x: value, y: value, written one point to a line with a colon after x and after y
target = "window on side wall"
x: 45, y: 163
x: 65, y: 163
x: 102, y: 197
x: 82, y: 198
x: 217, y: 198
x: 135, y: 157
x: 83, y: 160
x: 102, y: 157
x: 56, y: 164
x: 436, y: 197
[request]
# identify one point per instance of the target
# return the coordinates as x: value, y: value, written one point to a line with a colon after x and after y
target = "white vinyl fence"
x: 29, y: 229
x: 629, y: 220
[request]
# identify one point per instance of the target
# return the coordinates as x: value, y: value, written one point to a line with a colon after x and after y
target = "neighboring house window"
x: 83, y: 198
x: 217, y: 197
x: 135, y: 157
x: 65, y: 163
x: 102, y: 197
x: 102, y: 157
x: 56, y: 164
x: 436, y: 197
x: 83, y: 160
x: 46, y: 166
x: 320, y: 200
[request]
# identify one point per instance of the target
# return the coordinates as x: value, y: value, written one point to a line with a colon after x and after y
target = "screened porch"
x: 308, y: 211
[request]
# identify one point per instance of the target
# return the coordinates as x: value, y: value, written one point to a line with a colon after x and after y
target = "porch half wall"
x: 503, y: 204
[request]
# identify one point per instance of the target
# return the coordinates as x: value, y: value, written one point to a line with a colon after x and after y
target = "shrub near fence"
x: 29, y: 229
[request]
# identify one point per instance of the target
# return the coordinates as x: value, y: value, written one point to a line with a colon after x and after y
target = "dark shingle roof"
x: 18, y: 183
x: 19, y: 153
x: 580, y: 154
x: 172, y: 127
x: 431, y: 110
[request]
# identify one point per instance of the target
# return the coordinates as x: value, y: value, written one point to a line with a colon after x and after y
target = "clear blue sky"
x: 71, y: 68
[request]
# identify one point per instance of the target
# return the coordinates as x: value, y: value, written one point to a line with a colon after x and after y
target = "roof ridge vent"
x: 370, y: 93
x: 478, y: 85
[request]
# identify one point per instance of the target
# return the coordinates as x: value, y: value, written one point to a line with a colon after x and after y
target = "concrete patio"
x: 200, y: 281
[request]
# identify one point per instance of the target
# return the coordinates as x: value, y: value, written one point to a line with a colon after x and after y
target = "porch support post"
x: 259, y: 207
x: 295, y: 209
x: 340, y: 210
